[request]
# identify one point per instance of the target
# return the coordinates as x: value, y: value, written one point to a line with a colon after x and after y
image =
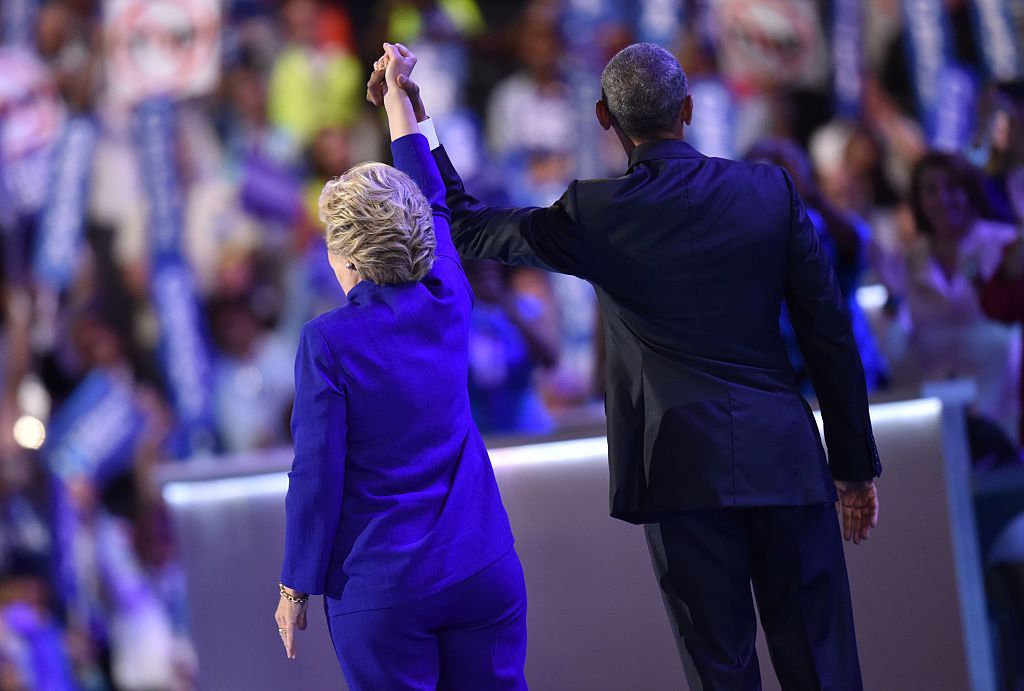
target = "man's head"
x: 644, y: 93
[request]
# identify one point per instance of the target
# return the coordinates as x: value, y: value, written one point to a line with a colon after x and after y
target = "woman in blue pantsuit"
x: 392, y: 511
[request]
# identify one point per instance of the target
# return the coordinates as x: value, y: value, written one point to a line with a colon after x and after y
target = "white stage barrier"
x: 595, y: 615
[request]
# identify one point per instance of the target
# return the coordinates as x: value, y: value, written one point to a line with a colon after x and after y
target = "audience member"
x: 844, y: 237
x: 89, y: 587
x: 511, y: 335
x: 954, y: 246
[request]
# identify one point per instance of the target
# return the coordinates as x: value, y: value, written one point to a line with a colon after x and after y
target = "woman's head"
x: 945, y: 195
x: 378, y: 225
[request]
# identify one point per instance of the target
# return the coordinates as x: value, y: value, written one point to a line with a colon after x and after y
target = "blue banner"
x: 953, y: 123
x: 156, y: 134
x: 660, y: 22
x: 270, y: 190
x: 93, y: 433
x: 64, y: 213
x: 7, y: 215
x: 184, y: 348
x: 847, y: 56
x: 998, y: 38
x: 713, y: 132
x: 19, y: 23
x: 930, y: 50
x: 184, y: 353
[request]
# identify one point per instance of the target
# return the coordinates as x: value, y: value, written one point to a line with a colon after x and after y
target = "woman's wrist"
x: 291, y: 594
x: 401, y: 118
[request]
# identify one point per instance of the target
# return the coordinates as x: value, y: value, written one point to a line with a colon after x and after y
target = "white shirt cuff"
x: 428, y: 131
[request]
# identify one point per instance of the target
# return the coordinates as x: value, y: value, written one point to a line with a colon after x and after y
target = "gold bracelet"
x: 291, y: 598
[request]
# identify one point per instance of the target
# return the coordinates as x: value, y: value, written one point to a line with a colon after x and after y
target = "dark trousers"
x: 470, y: 636
x: 707, y: 560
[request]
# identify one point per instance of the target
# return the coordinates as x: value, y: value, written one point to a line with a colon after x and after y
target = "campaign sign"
x: 950, y: 126
x: 270, y: 190
x: 166, y: 47
x: 929, y: 50
x: 184, y: 352
x: 64, y: 213
x: 156, y: 134
x: 19, y: 21
x: 659, y: 22
x: 93, y: 433
x: 31, y: 120
x: 713, y: 131
x: 999, y: 40
x: 771, y: 41
x: 847, y: 56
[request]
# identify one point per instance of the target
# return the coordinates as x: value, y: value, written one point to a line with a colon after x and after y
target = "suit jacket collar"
x: 662, y: 148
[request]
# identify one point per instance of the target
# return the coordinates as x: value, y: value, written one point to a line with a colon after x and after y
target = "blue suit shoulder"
x: 323, y: 327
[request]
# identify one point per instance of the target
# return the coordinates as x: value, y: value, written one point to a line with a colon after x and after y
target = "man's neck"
x: 630, y: 143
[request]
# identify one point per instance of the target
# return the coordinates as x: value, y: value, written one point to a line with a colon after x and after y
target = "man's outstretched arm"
x: 549, y: 238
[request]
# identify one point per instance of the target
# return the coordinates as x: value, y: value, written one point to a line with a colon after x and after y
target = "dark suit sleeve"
x: 315, y: 483
x: 822, y: 324
x: 548, y: 238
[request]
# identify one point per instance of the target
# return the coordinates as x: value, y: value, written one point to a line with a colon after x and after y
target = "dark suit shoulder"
x: 768, y: 173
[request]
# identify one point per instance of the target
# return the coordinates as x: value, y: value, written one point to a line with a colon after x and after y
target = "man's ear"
x: 604, y: 116
x: 686, y: 112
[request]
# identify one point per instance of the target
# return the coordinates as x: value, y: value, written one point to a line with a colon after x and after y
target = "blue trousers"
x: 470, y: 636
x: 707, y: 560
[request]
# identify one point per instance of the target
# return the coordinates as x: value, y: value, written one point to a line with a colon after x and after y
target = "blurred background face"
x: 96, y: 344
x: 331, y: 154
x: 1002, y: 124
x: 540, y: 48
x: 54, y: 28
x: 945, y: 202
x: 247, y: 95
x: 488, y: 281
x: 154, y: 539
x: 300, y: 21
x: 236, y: 329
x: 862, y: 154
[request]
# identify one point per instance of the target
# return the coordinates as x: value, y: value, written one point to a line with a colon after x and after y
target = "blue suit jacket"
x: 691, y: 258
x: 391, y: 495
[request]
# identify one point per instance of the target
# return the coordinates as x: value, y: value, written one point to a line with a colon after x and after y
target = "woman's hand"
x: 377, y: 87
x: 290, y: 616
x: 398, y: 66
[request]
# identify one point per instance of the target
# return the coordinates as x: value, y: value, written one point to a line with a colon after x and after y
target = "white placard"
x: 161, y: 47
x: 771, y: 41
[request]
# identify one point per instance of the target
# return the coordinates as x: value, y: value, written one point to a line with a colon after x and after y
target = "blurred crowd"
x: 158, y: 260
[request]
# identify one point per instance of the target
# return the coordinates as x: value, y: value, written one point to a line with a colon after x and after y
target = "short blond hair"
x: 377, y: 217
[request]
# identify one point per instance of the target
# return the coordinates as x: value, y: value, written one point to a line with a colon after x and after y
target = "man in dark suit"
x: 710, y: 444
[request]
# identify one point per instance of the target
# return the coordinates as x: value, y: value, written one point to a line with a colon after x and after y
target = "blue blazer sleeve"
x: 411, y: 155
x: 316, y: 480
x: 549, y: 238
x: 823, y: 330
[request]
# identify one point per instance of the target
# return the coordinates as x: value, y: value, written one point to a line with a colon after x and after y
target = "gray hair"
x: 644, y: 86
x: 376, y: 216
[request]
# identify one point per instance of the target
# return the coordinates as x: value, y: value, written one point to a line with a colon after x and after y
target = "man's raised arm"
x: 549, y: 238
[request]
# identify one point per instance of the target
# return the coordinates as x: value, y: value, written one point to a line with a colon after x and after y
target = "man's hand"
x: 378, y: 85
x: 858, y: 502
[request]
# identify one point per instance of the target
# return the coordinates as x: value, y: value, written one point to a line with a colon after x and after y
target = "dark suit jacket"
x: 691, y: 258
